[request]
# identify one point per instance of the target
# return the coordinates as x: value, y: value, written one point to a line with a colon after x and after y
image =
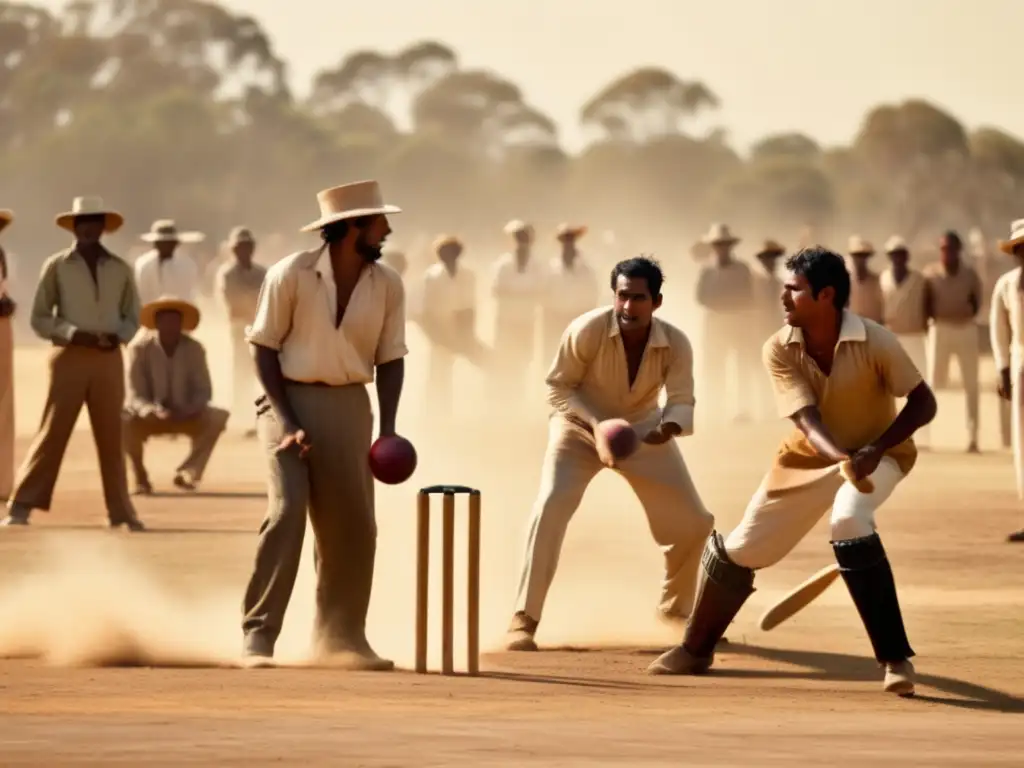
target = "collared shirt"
x: 857, y: 400
x: 238, y: 288
x: 589, y: 378
x: 443, y: 295
x: 180, y: 382
x: 1006, y: 321
x: 296, y: 315
x: 725, y: 289
x: 904, y: 303
x: 517, y: 294
x: 68, y: 299
x: 176, y: 276
x: 951, y: 293
x: 866, y: 297
x: 570, y: 291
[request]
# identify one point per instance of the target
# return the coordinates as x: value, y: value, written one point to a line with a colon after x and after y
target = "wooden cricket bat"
x: 799, y: 597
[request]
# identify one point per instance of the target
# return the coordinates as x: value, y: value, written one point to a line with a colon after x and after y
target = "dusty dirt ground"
x: 75, y: 599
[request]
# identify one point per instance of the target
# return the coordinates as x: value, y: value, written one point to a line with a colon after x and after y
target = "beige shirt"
x: 518, y: 294
x: 295, y: 317
x: 570, y: 293
x: 866, y: 297
x: 904, y: 303
x: 179, y: 382
x: 68, y: 299
x: 443, y: 294
x: 238, y: 289
x: 1006, y: 321
x: 589, y: 379
x: 177, y: 276
x: 857, y: 400
x: 727, y: 289
x: 951, y: 294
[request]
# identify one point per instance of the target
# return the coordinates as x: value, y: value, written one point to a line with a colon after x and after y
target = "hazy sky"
x: 808, y: 65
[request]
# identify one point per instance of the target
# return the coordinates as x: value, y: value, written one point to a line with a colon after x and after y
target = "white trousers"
x: 946, y: 341
x: 678, y: 520
x: 776, y: 521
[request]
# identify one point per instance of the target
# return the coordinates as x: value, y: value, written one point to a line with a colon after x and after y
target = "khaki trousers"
x: 946, y: 341
x: 79, y: 376
x: 204, y: 431
x: 658, y: 476
x: 775, y: 521
x: 6, y: 408
x: 333, y: 483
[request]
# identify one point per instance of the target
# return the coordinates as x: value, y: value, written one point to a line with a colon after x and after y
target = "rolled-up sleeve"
x: 391, y: 344
x: 898, y: 371
x: 792, y: 391
x: 274, y: 308
x: 578, y: 347
x: 44, y: 321
x: 679, y: 389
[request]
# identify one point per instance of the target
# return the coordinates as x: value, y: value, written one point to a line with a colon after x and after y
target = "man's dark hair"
x: 823, y: 269
x: 953, y: 237
x: 338, y: 229
x: 637, y: 267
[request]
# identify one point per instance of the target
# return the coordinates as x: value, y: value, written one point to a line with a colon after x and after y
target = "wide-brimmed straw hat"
x: 189, y: 312
x: 349, y: 201
x: 166, y: 231
x: 90, y: 206
x: 6, y: 217
x: 896, y: 244
x: 570, y: 230
x: 858, y: 246
x: 720, y: 234
x: 1016, y: 237
x: 519, y: 227
x: 771, y: 248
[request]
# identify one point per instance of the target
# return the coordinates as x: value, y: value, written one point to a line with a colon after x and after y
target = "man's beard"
x: 369, y: 252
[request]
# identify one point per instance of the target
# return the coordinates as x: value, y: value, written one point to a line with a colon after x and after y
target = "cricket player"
x: 837, y: 376
x: 1006, y: 325
x: 614, y: 362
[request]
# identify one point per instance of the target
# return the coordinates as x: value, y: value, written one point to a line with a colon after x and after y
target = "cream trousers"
x: 658, y: 476
x: 946, y: 341
x: 776, y: 521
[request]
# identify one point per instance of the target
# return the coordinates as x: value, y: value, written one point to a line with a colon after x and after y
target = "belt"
x: 311, y: 383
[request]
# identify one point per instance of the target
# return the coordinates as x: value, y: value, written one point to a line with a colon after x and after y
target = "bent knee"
x: 847, y: 527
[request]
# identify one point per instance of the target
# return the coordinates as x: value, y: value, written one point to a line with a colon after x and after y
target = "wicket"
x: 448, y: 578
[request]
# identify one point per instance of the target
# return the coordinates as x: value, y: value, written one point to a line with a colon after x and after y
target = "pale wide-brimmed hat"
x: 858, y: 246
x: 6, y: 217
x: 1016, y: 237
x: 189, y: 312
x: 896, y: 244
x: 771, y: 248
x: 444, y: 241
x: 519, y: 227
x: 90, y: 206
x: 240, y: 235
x: 166, y: 231
x: 720, y: 234
x: 573, y: 231
x: 349, y: 201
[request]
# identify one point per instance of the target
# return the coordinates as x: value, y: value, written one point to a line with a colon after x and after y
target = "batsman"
x: 837, y: 376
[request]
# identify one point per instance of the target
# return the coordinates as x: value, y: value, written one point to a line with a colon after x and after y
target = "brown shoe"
x: 520, y: 633
x: 679, y: 661
x: 1017, y: 537
x: 899, y: 678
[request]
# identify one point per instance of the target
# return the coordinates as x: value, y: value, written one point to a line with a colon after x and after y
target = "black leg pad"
x: 724, y: 588
x: 868, y: 575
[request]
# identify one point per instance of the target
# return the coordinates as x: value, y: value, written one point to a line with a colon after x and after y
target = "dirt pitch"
x: 75, y: 599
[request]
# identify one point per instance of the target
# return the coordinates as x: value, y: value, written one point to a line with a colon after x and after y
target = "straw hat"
x: 858, y: 246
x: 518, y: 227
x: 1016, y: 237
x: 240, y: 235
x: 896, y: 244
x: 349, y: 201
x: 445, y: 241
x: 166, y: 231
x: 90, y: 206
x: 189, y: 312
x: 6, y: 217
x: 570, y: 231
x: 720, y: 234
x: 771, y: 248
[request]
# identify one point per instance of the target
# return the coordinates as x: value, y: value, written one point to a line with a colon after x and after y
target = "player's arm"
x: 1000, y: 335
x: 902, y: 380
x: 796, y: 401
x: 267, y: 333
x: 578, y: 346
x: 390, y: 356
x: 677, y: 415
